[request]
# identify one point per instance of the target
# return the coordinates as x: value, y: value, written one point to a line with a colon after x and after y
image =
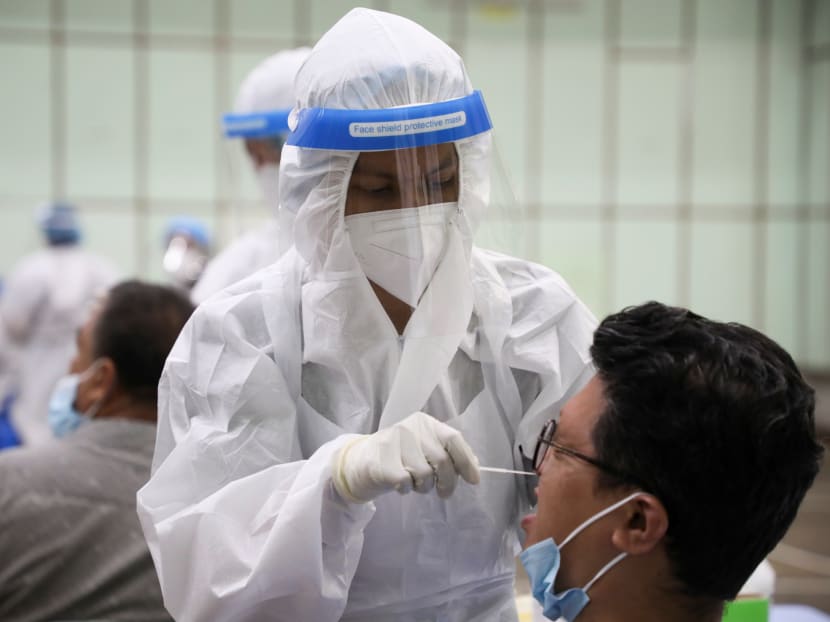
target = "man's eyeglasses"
x: 546, y: 441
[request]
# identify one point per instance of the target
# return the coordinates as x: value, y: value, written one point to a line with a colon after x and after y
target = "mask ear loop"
x: 598, y: 516
x: 591, y: 521
x: 605, y: 569
x: 85, y: 375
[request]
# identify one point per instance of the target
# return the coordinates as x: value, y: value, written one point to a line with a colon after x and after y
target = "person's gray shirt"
x: 71, y: 547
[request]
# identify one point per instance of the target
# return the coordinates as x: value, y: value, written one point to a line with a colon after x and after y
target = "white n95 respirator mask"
x: 400, y: 249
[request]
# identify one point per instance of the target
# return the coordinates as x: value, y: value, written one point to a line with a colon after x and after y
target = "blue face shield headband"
x: 264, y: 124
x: 385, y: 129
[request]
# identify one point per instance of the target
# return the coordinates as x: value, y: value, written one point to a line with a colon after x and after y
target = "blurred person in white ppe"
x: 186, y: 251
x: 382, y: 354
x: 44, y: 301
x: 260, y: 118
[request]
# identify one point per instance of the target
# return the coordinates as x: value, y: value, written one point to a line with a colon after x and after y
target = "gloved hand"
x: 417, y: 453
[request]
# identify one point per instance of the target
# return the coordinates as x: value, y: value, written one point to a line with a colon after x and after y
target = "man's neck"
x: 644, y: 605
x: 122, y: 407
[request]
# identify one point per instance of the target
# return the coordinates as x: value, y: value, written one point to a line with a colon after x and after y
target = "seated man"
x: 70, y: 541
x: 672, y: 474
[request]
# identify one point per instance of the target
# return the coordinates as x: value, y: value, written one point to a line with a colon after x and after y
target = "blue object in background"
x: 189, y: 227
x: 796, y: 613
x: 59, y: 222
x: 8, y: 437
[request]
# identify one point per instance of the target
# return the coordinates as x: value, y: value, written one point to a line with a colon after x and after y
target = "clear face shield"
x: 252, y: 160
x: 504, y: 225
x: 404, y: 181
x: 385, y: 203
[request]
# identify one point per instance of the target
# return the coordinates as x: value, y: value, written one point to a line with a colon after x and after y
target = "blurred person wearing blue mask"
x: 666, y: 481
x: 44, y: 301
x: 63, y: 417
x: 69, y: 536
x: 260, y: 118
x: 321, y: 423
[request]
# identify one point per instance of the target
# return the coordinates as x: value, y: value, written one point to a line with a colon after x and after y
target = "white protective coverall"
x: 269, y: 86
x: 270, y: 378
x: 45, y: 301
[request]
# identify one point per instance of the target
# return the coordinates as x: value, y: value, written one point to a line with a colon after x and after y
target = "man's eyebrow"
x: 561, y: 433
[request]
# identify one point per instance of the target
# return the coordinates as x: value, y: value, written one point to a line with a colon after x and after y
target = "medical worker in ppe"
x: 260, y: 117
x: 44, y: 302
x: 322, y: 422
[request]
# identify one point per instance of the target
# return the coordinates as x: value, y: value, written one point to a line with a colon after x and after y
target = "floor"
x: 802, y: 559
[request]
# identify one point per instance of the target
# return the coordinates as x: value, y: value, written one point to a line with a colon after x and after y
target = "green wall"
x: 668, y: 149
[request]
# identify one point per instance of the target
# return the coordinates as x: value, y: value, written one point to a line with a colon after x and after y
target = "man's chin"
x: 528, y: 524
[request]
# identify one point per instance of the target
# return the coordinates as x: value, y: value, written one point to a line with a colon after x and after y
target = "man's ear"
x: 103, y: 381
x: 645, y: 525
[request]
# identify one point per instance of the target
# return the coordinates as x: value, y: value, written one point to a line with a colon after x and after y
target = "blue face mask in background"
x: 63, y: 418
x: 542, y: 560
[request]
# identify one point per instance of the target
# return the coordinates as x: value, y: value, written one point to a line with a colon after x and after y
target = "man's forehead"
x: 580, y: 414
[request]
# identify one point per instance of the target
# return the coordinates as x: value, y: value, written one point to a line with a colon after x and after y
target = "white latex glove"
x: 414, y: 454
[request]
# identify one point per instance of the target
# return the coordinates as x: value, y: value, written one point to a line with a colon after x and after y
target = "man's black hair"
x: 136, y: 328
x: 714, y: 419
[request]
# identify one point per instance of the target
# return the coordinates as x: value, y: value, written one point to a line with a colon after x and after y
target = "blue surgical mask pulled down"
x: 63, y: 418
x: 541, y: 561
